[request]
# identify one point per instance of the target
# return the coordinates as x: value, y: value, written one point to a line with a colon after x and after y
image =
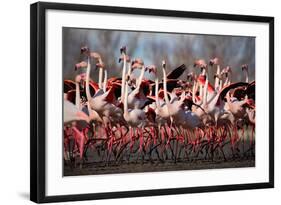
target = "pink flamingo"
x: 136, y: 118
x: 215, y: 62
x: 101, y: 102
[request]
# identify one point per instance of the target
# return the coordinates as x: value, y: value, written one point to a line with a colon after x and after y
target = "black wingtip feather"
x: 177, y: 72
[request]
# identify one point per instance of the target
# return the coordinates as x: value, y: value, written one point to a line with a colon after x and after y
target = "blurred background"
x: 175, y: 48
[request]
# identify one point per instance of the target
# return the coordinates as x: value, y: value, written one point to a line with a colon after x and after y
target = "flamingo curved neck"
x: 204, y: 72
x: 126, y: 99
x: 205, y: 91
x: 87, y: 80
x: 129, y: 69
x: 123, y: 78
x: 141, y: 76
x: 194, y: 91
x: 156, y: 92
x: 220, y: 85
x: 247, y: 76
x: 165, y: 87
x: 105, y: 81
x: 100, y: 78
x: 217, y: 81
x: 77, y: 95
x: 201, y: 92
x: 229, y: 78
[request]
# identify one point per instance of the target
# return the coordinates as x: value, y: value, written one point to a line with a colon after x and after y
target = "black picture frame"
x: 38, y: 100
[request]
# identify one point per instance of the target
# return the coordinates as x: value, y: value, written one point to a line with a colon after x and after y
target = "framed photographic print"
x: 129, y: 102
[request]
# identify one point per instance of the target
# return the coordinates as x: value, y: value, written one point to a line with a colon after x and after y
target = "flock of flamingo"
x: 131, y: 117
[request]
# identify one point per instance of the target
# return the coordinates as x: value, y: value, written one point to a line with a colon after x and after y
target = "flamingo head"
x: 137, y: 63
x: 82, y: 64
x: 200, y: 64
x: 244, y: 67
x: 123, y: 50
x: 214, y: 61
x: 227, y: 70
x: 100, y: 65
x: 164, y: 64
x: 151, y: 69
x: 85, y: 50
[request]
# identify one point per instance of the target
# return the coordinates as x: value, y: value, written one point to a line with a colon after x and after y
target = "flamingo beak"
x: 84, y: 50
x: 123, y: 49
x: 164, y: 64
x: 244, y: 67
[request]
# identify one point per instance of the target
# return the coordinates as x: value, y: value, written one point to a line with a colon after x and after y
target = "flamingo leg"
x: 80, y: 141
x: 168, y: 143
x: 162, y: 133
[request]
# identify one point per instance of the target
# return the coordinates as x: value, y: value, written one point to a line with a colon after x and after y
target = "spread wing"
x: 177, y: 72
x: 68, y: 85
x: 225, y: 90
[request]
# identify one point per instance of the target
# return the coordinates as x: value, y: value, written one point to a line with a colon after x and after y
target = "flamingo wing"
x: 251, y: 90
x: 177, y: 72
x: 113, y: 93
x: 94, y: 86
x: 239, y: 93
x: 71, y: 113
x: 171, y: 84
x: 225, y: 90
x: 202, y: 79
x: 147, y: 102
x: 145, y: 87
x: 93, y: 89
x: 68, y: 85
x: 71, y: 94
x: 117, y: 89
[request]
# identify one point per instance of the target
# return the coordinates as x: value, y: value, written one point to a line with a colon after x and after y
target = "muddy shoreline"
x: 97, y: 168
